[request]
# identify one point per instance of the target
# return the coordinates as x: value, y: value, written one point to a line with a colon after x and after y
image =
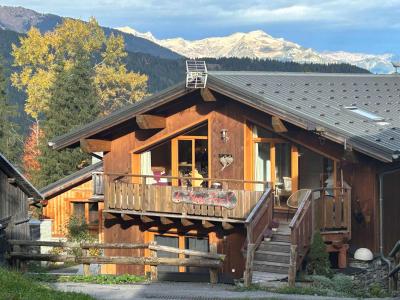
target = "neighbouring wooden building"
x: 16, y: 194
x: 79, y: 194
x: 199, y: 167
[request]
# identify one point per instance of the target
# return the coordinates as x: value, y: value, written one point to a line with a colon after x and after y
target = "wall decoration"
x: 216, y: 197
x: 226, y: 160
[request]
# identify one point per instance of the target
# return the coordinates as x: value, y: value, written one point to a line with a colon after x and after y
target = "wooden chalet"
x: 79, y: 194
x: 16, y: 194
x: 213, y: 167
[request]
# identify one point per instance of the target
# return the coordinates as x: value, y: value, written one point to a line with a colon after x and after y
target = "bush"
x: 318, y: 259
x: 78, y: 231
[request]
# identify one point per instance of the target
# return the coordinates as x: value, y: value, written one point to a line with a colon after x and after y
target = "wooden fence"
x: 20, y: 254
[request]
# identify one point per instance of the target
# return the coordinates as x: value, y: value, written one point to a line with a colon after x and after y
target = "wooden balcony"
x: 133, y: 194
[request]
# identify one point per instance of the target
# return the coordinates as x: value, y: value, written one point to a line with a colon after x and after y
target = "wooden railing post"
x: 143, y: 199
x: 153, y: 269
x: 86, y: 266
x: 292, y: 266
x: 213, y: 271
x: 248, y: 275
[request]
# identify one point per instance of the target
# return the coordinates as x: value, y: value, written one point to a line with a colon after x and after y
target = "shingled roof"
x: 362, y: 110
x: 12, y: 172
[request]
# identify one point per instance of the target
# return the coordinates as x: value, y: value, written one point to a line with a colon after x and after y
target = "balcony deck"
x: 124, y: 195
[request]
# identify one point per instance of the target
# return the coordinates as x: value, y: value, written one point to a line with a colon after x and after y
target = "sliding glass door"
x: 273, y: 160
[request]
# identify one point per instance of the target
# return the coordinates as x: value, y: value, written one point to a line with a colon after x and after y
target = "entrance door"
x: 274, y: 160
x: 171, y: 241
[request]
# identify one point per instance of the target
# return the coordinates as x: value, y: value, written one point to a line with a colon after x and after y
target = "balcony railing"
x: 136, y: 194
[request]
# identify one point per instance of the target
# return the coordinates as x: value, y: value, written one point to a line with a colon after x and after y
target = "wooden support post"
x: 86, y: 266
x: 153, y: 269
x: 292, y: 266
x: 16, y: 261
x: 213, y: 271
x: 248, y: 273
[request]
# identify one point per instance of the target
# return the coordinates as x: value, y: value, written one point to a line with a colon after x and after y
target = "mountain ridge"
x: 20, y: 19
x: 259, y: 44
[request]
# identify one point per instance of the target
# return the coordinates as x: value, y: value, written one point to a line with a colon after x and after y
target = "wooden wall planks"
x: 14, y: 203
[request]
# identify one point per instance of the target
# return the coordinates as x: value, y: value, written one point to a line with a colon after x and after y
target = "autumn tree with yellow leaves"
x: 38, y: 56
x: 70, y: 76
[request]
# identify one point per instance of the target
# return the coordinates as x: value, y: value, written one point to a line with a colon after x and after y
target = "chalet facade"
x: 16, y: 194
x: 213, y: 167
x: 79, y: 194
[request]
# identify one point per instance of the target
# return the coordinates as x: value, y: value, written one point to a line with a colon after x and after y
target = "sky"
x: 367, y: 26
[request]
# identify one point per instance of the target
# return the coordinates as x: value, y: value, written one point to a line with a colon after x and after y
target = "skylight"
x: 366, y: 114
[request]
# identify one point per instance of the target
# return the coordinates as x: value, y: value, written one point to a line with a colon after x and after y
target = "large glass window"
x: 262, y: 164
x: 283, y: 163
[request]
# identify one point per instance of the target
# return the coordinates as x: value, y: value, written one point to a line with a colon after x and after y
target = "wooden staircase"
x: 271, y: 258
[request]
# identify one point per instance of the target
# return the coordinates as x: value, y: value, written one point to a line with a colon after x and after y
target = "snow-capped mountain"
x: 258, y: 44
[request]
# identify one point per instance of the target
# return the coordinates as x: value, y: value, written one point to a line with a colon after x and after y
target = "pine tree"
x: 73, y: 103
x: 10, y: 139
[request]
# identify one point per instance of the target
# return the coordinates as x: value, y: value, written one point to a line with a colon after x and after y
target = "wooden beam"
x: 278, y: 125
x: 207, y: 224
x: 150, y: 122
x: 166, y: 221
x: 227, y: 226
x: 207, y: 95
x: 146, y: 219
x: 92, y: 145
x: 186, y: 222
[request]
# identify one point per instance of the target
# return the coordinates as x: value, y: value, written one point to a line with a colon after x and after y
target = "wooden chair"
x: 294, y: 200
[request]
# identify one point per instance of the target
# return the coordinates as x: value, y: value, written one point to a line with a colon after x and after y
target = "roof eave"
x: 118, y: 117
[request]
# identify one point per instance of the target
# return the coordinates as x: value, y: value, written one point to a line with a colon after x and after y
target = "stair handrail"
x: 395, y: 250
x: 300, y: 246
x: 262, y: 211
x: 393, y: 273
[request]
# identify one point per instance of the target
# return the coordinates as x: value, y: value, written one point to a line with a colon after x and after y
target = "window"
x: 79, y: 210
x: 366, y: 114
x: 86, y: 211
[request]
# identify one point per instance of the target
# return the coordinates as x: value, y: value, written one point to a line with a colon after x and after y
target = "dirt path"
x: 171, y: 290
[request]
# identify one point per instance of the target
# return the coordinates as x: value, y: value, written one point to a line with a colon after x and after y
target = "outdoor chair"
x: 294, y: 201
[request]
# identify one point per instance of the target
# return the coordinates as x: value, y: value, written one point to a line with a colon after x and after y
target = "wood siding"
x: 59, y: 207
x: 14, y: 203
x: 391, y: 210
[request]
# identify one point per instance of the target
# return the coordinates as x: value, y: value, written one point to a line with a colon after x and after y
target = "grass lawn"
x: 15, y: 286
x: 98, y: 279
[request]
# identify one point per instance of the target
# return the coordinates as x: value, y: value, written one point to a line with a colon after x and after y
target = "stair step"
x: 274, y: 246
x: 280, y: 237
x: 262, y: 277
x: 271, y: 256
x: 271, y: 267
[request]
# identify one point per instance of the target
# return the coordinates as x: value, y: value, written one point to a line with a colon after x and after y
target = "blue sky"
x: 351, y: 25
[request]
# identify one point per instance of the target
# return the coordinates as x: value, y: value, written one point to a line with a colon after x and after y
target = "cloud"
x: 333, y: 13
